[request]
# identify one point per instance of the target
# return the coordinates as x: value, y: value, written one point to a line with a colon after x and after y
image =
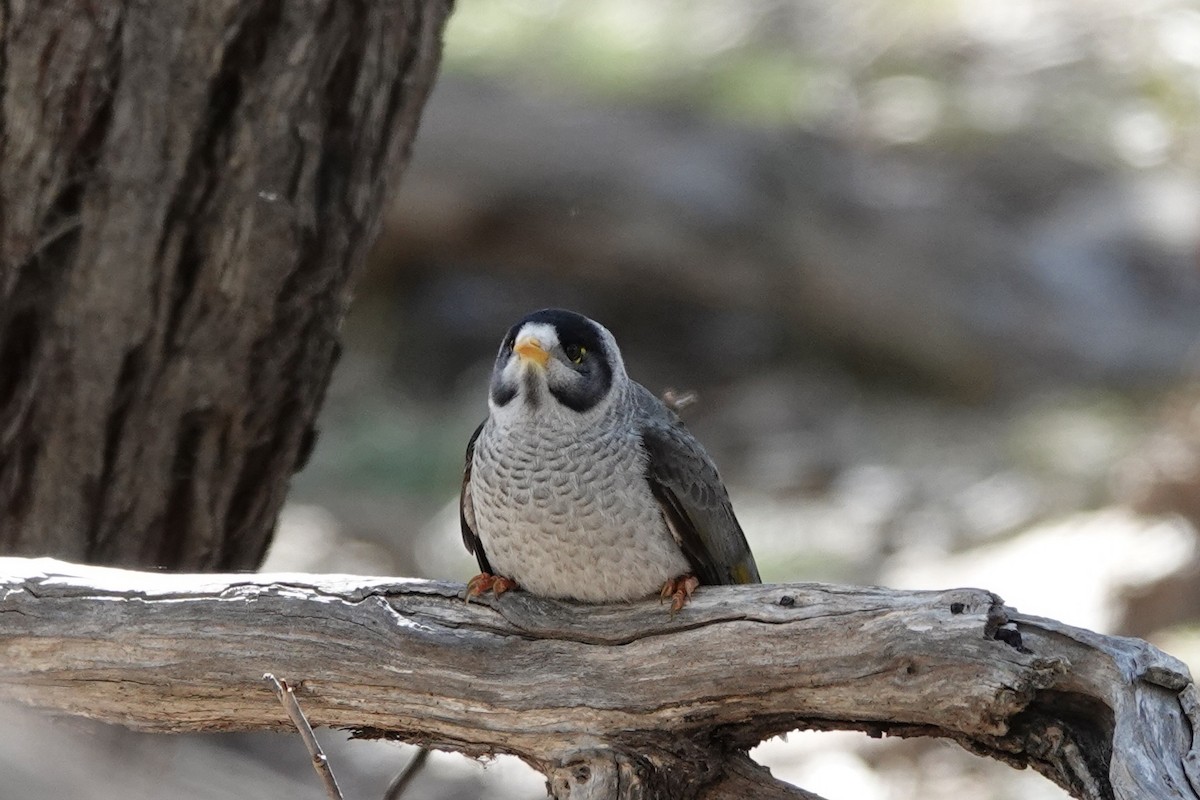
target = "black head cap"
x: 595, y: 371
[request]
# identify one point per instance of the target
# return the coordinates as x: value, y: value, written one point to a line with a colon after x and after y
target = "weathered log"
x: 607, y: 701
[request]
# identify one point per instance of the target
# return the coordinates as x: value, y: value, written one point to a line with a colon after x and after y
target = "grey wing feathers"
x: 694, y: 500
x: 466, y: 511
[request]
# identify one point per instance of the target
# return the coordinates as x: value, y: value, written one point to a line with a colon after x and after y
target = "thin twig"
x: 320, y: 762
x: 400, y: 782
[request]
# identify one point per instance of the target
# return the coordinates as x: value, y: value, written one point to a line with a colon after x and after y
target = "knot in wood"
x: 599, y: 774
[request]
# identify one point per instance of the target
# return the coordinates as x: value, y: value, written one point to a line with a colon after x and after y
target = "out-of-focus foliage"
x: 1118, y: 82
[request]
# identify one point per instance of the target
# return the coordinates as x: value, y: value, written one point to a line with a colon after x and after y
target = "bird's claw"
x: 485, y: 582
x: 679, y: 590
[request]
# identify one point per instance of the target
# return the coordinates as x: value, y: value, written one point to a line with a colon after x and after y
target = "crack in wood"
x: 241, y: 58
x: 129, y: 378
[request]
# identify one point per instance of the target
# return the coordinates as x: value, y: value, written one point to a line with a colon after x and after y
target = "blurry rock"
x: 42, y: 758
x: 1077, y: 569
x: 1173, y: 600
x: 439, y: 549
x: 824, y: 763
x: 1163, y: 477
x: 849, y: 764
x: 309, y: 539
x: 999, y: 503
x: 981, y: 269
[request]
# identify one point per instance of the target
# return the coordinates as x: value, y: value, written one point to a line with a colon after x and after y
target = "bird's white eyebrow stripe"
x: 543, y: 332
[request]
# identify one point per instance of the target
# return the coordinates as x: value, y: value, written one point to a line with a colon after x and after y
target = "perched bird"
x: 581, y: 484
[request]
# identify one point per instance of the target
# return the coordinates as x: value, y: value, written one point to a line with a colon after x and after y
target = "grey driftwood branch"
x: 607, y: 701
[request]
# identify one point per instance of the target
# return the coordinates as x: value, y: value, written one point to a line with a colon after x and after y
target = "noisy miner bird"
x: 583, y: 485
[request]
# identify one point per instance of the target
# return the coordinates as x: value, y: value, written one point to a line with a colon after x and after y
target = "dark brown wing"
x: 695, y: 503
x: 466, y: 510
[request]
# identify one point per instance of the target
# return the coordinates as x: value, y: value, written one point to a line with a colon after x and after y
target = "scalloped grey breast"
x: 582, y: 485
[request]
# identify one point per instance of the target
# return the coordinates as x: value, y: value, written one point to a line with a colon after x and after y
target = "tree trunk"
x: 185, y: 189
x: 620, y: 702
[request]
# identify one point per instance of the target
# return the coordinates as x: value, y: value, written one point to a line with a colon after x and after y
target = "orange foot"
x: 679, y: 590
x: 485, y: 582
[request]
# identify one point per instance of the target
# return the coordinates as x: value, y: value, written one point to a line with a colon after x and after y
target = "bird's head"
x: 555, y: 361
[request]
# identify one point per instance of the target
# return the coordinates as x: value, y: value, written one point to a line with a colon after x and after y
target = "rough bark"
x: 185, y: 188
x: 608, y: 701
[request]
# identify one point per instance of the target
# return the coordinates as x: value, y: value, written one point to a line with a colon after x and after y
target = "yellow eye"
x: 575, y: 352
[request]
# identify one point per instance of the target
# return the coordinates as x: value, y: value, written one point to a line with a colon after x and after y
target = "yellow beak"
x: 530, y: 349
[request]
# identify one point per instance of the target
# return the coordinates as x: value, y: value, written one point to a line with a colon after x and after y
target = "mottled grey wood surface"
x: 614, y: 701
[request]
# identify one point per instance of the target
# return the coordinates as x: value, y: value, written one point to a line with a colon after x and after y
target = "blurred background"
x: 932, y: 269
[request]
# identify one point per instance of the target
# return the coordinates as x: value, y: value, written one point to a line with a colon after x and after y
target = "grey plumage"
x: 581, y: 484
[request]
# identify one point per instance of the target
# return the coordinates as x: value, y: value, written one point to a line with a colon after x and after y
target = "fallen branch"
x: 401, y: 782
x: 320, y: 762
x: 607, y: 701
